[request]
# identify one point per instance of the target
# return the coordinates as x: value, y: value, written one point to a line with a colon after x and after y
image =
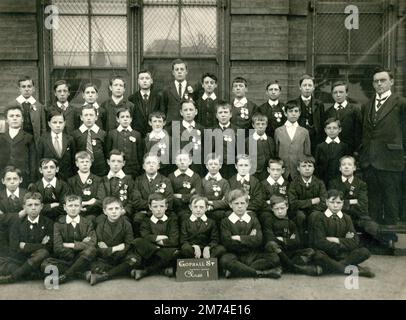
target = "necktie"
x: 89, y: 147
x: 180, y: 89
x: 145, y: 96
x: 340, y: 106
x: 380, y: 103
x: 57, y: 146
x: 335, y: 224
x: 14, y: 203
x: 27, y: 125
x: 306, y: 102
x: 212, y: 179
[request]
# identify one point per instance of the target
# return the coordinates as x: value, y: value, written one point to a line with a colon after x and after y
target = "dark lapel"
x: 20, y: 136
x: 50, y: 144
x: 371, y: 110
x: 106, y: 183
x: 174, y: 91
x: 64, y: 144
x: 388, y: 106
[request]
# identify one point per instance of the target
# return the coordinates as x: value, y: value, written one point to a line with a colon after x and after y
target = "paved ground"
x: 389, y: 283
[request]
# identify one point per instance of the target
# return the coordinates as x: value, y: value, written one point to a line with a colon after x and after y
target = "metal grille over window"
x: 91, y: 33
x: 185, y: 28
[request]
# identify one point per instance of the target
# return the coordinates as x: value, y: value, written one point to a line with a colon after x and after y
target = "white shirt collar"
x: 273, y: 102
x: 240, y: 103
x: 151, y: 178
x: 343, y: 105
x: 62, y: 105
x: 306, y: 99
x: 328, y: 214
x: 193, y: 218
x: 119, y: 174
x: 74, y: 221
x: 155, y: 220
x: 218, y: 176
x: 53, y: 135
x: 344, y: 179
x: 290, y: 124
x: 384, y: 95
x: 246, y: 178
x: 257, y: 137
x: 188, y: 124
x: 13, y: 132
x: 154, y: 135
x: 35, y: 221
x: 16, y: 193
x: 120, y: 128
x: 46, y: 183
x: 147, y: 92
x: 212, y: 96
x: 31, y: 100
x: 234, y: 218
x: 184, y: 83
x: 308, y: 182
x: 329, y: 140
x: 188, y: 172
x: 271, y: 181
x: 225, y: 126
x: 95, y: 128
x: 95, y: 104
x: 117, y: 101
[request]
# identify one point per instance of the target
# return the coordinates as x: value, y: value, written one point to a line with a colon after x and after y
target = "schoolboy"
x: 275, y: 184
x: 273, y: 108
x: 91, y: 138
x: 260, y: 146
x: 145, y: 185
x: 86, y: 184
x: 114, y: 239
x: 90, y: 94
x: 178, y: 90
x: 226, y: 137
x: 146, y: 100
x: 158, y: 141
x: 281, y: 237
x: 11, y: 202
x: 74, y: 242
x: 329, y: 152
x: 243, y: 180
x: 292, y: 141
x: 185, y: 183
x: 34, y: 121
x: 241, y: 235
x: 62, y: 105
x: 348, y: 114
x: 31, y: 240
x: 242, y: 108
x: 117, y: 184
x: 199, y: 236
x: 191, y: 135
x: 215, y: 188
x: 19, y: 149
x: 356, y: 203
x: 307, y: 196
x: 52, y: 189
x: 311, y: 110
x: 127, y: 140
x: 157, y: 249
x: 334, y: 234
x: 206, y: 104
x: 58, y: 145
x: 115, y: 102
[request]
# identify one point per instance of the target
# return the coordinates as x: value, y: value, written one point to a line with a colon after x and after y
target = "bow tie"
x: 212, y: 179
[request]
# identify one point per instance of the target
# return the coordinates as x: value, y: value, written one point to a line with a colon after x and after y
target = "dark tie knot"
x: 145, y: 97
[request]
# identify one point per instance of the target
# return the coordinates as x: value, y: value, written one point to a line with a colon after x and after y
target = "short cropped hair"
x: 277, y: 161
x: 214, y: 156
x: 242, y: 157
x: 235, y: 194
x: 116, y: 77
x: 90, y: 85
x: 333, y: 193
x: 144, y: 71
x: 12, y: 169
x: 54, y: 113
x: 147, y: 155
x: 123, y: 109
x: 157, y: 114
x: 278, y: 199
x: 240, y: 80
x: 331, y: 120
x: 210, y: 75
x: 339, y: 83
x: 306, y: 159
x: 33, y: 196
x: 223, y: 104
x: 179, y: 61
x: 25, y: 78
x: 13, y: 107
x: 273, y: 82
x: 381, y: 69
x: 44, y: 161
x: 259, y: 117
x: 198, y: 197
x: 116, y: 152
x: 72, y: 197
x: 305, y: 77
x: 290, y: 106
x: 83, y: 155
x: 60, y: 83
x: 109, y: 200
x: 348, y: 157
x: 157, y: 197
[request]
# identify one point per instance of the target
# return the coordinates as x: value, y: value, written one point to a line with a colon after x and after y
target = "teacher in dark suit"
x: 383, y: 147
